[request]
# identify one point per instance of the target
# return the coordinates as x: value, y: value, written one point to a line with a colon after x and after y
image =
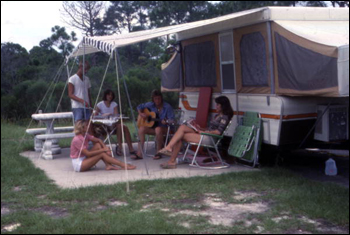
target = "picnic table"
x: 51, y: 136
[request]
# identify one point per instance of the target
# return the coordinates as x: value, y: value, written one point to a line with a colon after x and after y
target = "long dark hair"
x: 225, y: 105
x: 107, y: 92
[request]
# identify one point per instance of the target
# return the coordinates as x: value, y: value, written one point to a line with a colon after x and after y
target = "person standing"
x: 79, y: 92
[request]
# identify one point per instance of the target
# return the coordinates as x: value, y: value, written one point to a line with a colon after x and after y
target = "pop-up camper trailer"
x: 290, y: 64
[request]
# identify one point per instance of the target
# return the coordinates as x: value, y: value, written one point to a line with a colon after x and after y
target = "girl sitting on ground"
x: 84, y: 159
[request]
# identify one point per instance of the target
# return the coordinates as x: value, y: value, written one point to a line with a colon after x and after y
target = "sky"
x: 29, y: 22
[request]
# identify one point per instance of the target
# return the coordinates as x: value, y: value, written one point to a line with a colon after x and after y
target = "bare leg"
x: 89, y: 162
x: 142, y: 133
x: 189, y: 137
x: 160, y: 132
x: 141, y: 143
x: 119, y: 136
x: 110, y: 161
x: 107, y: 159
x: 98, y: 146
x: 128, y: 139
x: 175, y: 152
x: 179, y: 135
x: 113, y: 161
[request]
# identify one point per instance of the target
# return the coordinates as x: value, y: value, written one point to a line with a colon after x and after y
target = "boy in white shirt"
x: 79, y: 92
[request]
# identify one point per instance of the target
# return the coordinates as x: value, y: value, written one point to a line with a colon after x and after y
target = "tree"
x: 165, y: 13
x: 59, y: 39
x: 160, y: 14
x: 45, y: 59
x: 83, y: 15
x: 314, y: 3
x: 340, y: 3
x: 122, y: 14
x: 227, y: 7
x: 62, y: 40
x: 14, y: 58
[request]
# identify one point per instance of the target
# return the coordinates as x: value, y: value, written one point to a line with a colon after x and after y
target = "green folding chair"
x: 247, y: 139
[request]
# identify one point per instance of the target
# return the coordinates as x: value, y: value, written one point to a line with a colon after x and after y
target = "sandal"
x: 165, y: 152
x: 137, y: 157
x: 168, y: 166
x: 157, y: 156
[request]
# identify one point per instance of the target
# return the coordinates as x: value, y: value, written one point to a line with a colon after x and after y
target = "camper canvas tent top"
x: 323, y: 31
x: 279, y: 61
x: 284, y: 51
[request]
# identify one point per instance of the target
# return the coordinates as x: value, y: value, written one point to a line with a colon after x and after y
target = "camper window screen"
x: 302, y: 69
x: 253, y: 56
x: 200, y: 65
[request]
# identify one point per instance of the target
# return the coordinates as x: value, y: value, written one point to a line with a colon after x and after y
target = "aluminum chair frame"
x: 168, y: 134
x: 214, y: 145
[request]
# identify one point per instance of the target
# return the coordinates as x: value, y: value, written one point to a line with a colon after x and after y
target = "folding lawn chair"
x: 246, y: 140
x: 215, y: 141
x: 178, y: 113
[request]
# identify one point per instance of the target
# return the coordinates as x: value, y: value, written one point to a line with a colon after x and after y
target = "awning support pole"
x: 127, y: 93
x: 131, y: 108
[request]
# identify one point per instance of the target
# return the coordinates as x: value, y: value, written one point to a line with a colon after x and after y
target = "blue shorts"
x: 81, y: 114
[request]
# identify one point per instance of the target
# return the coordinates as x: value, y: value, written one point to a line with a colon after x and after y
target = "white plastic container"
x: 331, y: 167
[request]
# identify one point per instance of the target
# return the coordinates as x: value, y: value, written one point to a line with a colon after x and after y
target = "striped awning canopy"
x: 108, y: 43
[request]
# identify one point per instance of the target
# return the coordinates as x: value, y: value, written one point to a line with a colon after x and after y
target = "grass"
x: 32, y: 200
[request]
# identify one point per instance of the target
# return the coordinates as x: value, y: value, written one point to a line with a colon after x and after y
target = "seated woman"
x: 83, y: 159
x: 108, y: 107
x: 185, y: 133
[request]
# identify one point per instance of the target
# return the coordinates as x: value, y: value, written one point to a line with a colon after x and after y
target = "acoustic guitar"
x: 149, y: 121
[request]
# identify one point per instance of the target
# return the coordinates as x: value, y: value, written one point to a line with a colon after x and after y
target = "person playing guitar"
x: 152, y: 120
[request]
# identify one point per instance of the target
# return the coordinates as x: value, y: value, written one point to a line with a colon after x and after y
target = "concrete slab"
x: 60, y: 170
